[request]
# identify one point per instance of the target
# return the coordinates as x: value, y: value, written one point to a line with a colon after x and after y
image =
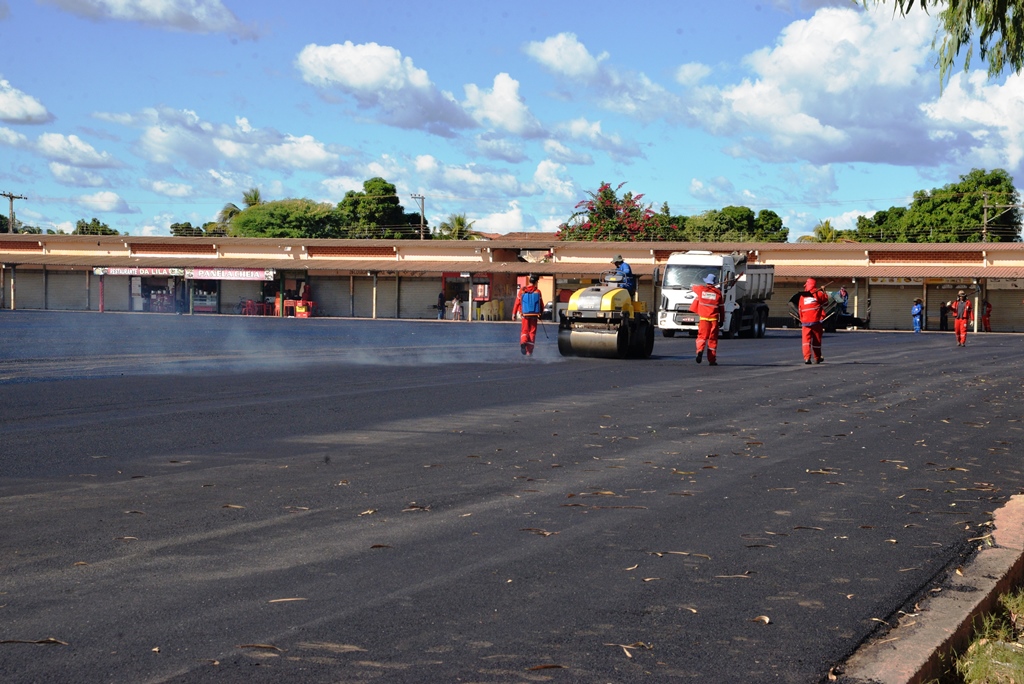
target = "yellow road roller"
x: 604, y: 321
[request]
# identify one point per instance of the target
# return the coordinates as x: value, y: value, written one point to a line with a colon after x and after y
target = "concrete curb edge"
x: 913, y: 652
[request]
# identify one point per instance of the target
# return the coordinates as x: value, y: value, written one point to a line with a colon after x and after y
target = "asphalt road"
x: 196, y: 499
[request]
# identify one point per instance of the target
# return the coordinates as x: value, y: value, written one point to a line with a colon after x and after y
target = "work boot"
x: 819, y: 360
x: 712, y: 363
x: 522, y: 349
x: 807, y: 362
x: 700, y: 356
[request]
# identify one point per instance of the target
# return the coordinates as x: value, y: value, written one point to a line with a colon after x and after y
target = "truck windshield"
x: 686, y: 275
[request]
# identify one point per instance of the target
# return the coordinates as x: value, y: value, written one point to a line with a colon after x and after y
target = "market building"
x: 403, y: 278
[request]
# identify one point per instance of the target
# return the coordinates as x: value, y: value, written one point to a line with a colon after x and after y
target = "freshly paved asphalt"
x: 193, y: 499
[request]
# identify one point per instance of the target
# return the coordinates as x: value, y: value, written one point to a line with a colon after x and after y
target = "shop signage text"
x: 138, y: 271
x: 229, y: 273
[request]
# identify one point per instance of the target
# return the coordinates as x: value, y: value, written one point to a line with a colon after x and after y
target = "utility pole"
x: 10, y: 220
x: 984, y: 220
x: 420, y: 199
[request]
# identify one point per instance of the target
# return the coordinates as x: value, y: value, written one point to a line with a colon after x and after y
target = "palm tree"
x: 456, y: 228
x: 823, y: 232
x: 250, y: 198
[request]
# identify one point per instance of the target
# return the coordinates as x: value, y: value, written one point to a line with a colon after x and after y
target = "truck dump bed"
x: 757, y: 283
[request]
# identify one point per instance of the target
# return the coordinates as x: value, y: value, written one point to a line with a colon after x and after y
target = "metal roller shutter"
x: 385, y: 297
x: 28, y: 290
x: 386, y: 293
x: 116, y: 293
x: 1007, y: 310
x: 890, y: 306
x: 936, y: 295
x: 419, y: 297
x: 778, y: 305
x: 331, y: 295
x: 66, y: 291
x: 234, y: 291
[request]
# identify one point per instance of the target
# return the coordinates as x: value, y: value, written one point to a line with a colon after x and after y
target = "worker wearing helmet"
x: 709, y: 305
x: 628, y: 281
x: 810, y: 304
x: 529, y: 304
x: 962, y: 313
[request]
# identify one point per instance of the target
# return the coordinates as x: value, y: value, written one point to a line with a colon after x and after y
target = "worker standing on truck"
x: 530, y: 305
x: 709, y: 305
x: 962, y: 313
x: 628, y: 281
x: 810, y: 304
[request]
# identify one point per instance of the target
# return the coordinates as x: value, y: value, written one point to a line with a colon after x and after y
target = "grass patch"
x: 996, y: 655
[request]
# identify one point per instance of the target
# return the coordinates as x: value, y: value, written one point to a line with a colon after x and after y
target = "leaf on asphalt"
x: 760, y: 546
x: 155, y: 649
x: 263, y: 647
x: 546, y: 667
x: 909, y: 569
x: 135, y: 512
x: 805, y: 527
x: 823, y: 471
x: 634, y: 567
x: 413, y: 506
x: 746, y: 575
x: 776, y: 534
x: 602, y: 493
x: 627, y: 647
x: 689, y: 608
x: 680, y: 493
x: 889, y: 460
x: 960, y: 571
x: 880, y: 620
x: 892, y: 541
x: 381, y: 546
x: 755, y: 443
x: 286, y: 600
x: 80, y: 563
x: 710, y: 467
x: 537, y: 530
x: 908, y: 525
x: 232, y: 506
x: 651, y: 579
x: 683, y: 472
x: 833, y: 482
x: 126, y: 538
x: 832, y: 674
x: 763, y: 619
x: 850, y: 596
x: 342, y: 483
x: 803, y: 410
x: 48, y: 641
x: 368, y: 511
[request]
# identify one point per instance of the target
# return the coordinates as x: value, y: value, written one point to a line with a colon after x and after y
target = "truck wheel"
x: 668, y: 333
x: 761, y: 323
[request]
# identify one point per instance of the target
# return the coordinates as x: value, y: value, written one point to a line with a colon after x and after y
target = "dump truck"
x: 605, y: 321
x: 745, y: 287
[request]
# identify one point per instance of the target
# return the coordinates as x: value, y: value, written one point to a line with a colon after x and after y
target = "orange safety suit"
x: 811, y: 306
x: 963, y: 312
x: 531, y: 315
x: 709, y: 306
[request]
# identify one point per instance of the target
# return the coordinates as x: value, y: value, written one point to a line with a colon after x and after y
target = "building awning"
x: 862, y: 271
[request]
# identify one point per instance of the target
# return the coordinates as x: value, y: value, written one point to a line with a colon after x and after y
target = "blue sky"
x: 144, y: 113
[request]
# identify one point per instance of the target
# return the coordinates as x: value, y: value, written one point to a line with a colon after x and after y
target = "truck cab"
x: 744, y: 287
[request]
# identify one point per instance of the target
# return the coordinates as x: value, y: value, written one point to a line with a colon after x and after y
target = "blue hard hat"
x: 710, y: 279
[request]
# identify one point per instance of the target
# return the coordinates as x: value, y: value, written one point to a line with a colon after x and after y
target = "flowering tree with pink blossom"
x: 606, y: 217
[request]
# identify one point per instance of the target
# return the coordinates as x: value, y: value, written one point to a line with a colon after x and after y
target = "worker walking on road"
x: 709, y: 306
x: 810, y: 304
x: 916, y: 313
x: 529, y: 304
x: 962, y: 312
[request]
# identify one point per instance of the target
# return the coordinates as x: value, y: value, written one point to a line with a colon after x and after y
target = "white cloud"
x: 591, y: 133
x: 105, y: 200
x: 18, y: 108
x: 548, y: 180
x: 70, y: 175
x: 691, y: 74
x: 718, y: 190
x: 564, y: 155
x: 193, y: 16
x: 980, y: 120
x: 502, y: 107
x: 380, y: 78
x: 630, y: 93
x: 303, y: 152
x: 509, y: 221
x: 13, y: 138
x: 169, y: 189
x: 565, y: 55
x: 842, y: 85
x: 495, y: 147
x: 338, y: 186
x: 72, y: 150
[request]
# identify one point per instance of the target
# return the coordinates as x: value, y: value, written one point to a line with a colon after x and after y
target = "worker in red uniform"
x: 529, y: 304
x: 810, y: 304
x: 709, y: 305
x: 986, y: 316
x: 962, y: 312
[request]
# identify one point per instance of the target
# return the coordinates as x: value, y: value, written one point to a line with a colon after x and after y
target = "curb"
x: 915, y: 650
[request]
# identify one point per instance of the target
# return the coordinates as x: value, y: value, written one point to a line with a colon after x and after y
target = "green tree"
x: 185, y: 230
x: 376, y: 213
x: 250, y: 198
x: 606, y: 217
x: 712, y: 225
x: 290, y: 218
x: 456, y: 228
x: 93, y: 227
x: 768, y: 227
x: 996, y: 26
